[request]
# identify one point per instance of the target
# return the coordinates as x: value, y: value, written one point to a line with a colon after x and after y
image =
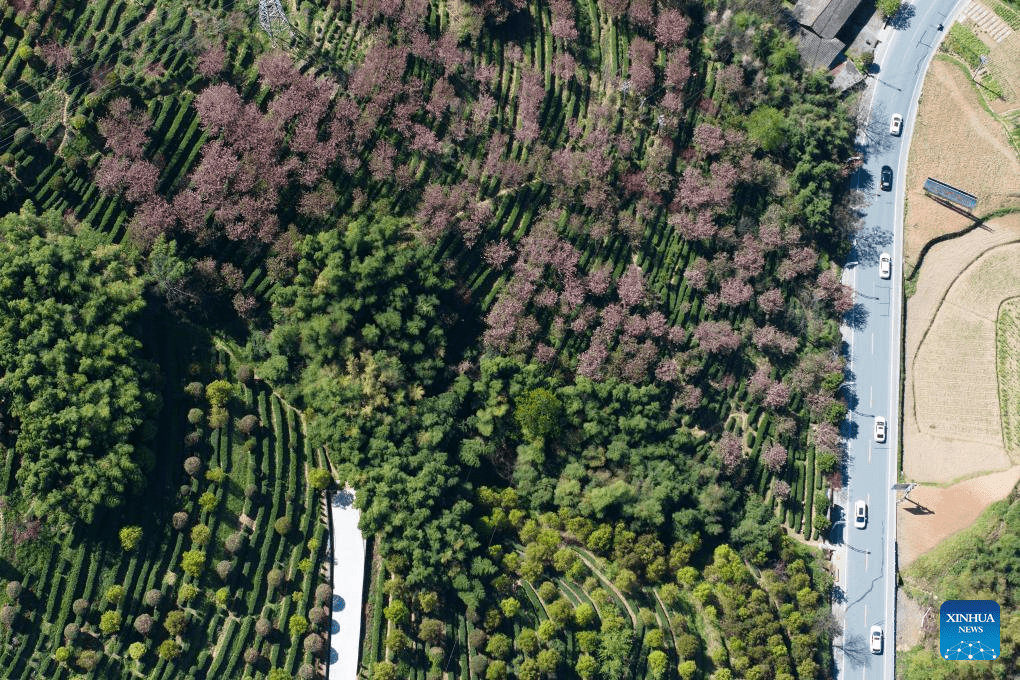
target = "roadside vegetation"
x: 552, y: 286
x: 973, y: 564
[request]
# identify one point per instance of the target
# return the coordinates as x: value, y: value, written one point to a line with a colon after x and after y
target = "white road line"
x: 872, y: 343
x: 869, y: 453
x: 871, y: 398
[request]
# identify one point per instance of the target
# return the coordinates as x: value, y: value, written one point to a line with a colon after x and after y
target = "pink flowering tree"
x: 774, y: 457
x: 730, y: 451
x: 716, y: 337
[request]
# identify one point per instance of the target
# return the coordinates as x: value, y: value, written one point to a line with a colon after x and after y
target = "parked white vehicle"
x: 885, y: 266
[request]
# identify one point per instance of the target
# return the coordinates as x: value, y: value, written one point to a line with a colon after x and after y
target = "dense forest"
x: 553, y: 286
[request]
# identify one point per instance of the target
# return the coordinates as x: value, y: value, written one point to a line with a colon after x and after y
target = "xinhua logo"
x: 969, y: 630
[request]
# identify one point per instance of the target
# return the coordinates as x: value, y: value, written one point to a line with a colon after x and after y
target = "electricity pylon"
x: 273, y: 19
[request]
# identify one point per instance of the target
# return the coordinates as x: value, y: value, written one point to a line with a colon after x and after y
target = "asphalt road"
x: 874, y: 341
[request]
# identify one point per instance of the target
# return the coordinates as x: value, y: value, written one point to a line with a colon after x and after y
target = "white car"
x: 879, y: 429
x: 876, y: 639
x: 860, y: 514
x: 896, y: 124
x: 885, y: 266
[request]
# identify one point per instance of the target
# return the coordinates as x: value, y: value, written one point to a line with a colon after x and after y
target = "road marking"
x: 869, y: 452
x: 872, y: 343
x: 871, y: 394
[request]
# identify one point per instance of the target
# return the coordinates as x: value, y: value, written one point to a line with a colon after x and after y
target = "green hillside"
x: 552, y: 285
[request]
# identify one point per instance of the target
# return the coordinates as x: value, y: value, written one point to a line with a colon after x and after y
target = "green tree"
x: 889, y: 8
x: 538, y: 412
x: 319, y: 478
x: 298, y: 625
x: 73, y: 376
x: 169, y: 649
x: 110, y: 622
x: 200, y: 534
x: 384, y: 670
x: 129, y: 537
x: 193, y: 562
x: 175, y: 622
x: 658, y: 662
x: 136, y: 650
x: 219, y: 392
x: 587, y: 667
x: 766, y: 126
x: 114, y: 594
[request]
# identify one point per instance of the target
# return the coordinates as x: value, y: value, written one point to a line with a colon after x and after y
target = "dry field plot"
x: 952, y: 425
x: 952, y: 508
x: 1008, y: 361
x: 957, y: 141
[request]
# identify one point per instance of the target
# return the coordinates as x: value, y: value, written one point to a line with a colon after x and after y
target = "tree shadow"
x: 871, y: 243
x: 857, y: 317
x: 901, y: 20
x: 835, y: 533
x: 856, y: 650
x: 850, y: 395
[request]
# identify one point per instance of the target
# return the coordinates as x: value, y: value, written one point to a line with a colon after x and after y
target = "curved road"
x: 874, y: 342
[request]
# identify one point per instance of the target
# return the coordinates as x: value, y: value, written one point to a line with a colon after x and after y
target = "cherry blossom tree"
x: 730, y: 451
x: 709, y: 139
x: 125, y: 128
x: 640, y: 13
x: 671, y: 28
x: 768, y: 337
x: 563, y: 26
x: 55, y: 55
x: 734, y: 292
x: 497, y: 254
x: 774, y: 457
x: 667, y: 371
x: 777, y: 396
x: 212, y: 60
x: 544, y: 353
x: 642, y: 54
x: 780, y: 489
x: 591, y: 361
x: 716, y: 336
x: 800, y: 261
x: 827, y: 437
x: 631, y: 286
x: 760, y: 380
x: 771, y: 301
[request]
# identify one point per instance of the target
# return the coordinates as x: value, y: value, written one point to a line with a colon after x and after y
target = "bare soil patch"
x: 940, y: 512
x: 908, y: 622
x: 956, y: 141
x: 952, y: 427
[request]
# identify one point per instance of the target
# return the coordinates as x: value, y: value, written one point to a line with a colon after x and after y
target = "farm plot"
x: 1007, y: 340
x: 957, y: 141
x: 955, y: 403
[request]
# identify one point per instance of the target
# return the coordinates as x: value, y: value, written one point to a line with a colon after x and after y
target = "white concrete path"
x: 348, y: 576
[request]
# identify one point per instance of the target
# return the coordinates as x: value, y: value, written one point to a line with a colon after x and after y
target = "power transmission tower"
x: 273, y: 20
